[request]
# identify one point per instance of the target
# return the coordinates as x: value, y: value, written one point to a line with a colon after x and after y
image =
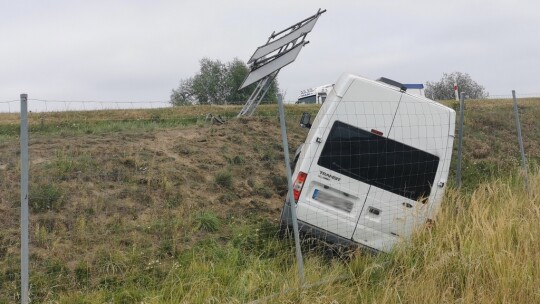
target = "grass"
x: 224, y: 179
x: 482, y: 249
x: 207, y: 221
x: 157, y: 206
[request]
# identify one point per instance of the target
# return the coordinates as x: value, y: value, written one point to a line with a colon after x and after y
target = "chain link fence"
x: 160, y: 204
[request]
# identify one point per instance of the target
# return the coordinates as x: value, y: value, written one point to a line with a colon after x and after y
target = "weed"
x: 128, y: 296
x: 224, y: 179
x: 279, y: 182
x: 45, y: 197
x: 155, y: 118
x: 174, y: 200
x: 268, y: 156
x: 263, y: 191
x: 207, y: 221
x: 228, y: 197
x: 82, y: 273
x: 40, y: 235
x: 236, y: 160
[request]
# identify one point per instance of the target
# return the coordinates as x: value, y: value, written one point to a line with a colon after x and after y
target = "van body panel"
x: 387, y: 215
x: 369, y: 105
x: 324, y: 213
x: 343, y: 84
x: 365, y: 122
x: 422, y: 125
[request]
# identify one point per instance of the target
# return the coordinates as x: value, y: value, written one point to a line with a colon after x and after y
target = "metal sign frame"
x: 280, y: 50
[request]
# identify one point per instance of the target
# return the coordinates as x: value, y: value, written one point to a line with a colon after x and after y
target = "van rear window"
x: 379, y: 161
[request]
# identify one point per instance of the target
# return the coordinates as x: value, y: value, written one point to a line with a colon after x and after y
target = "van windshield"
x: 379, y: 161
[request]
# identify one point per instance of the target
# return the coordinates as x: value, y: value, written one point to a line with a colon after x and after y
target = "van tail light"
x: 298, y: 185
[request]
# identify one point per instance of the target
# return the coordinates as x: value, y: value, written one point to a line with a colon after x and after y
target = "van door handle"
x: 408, y: 205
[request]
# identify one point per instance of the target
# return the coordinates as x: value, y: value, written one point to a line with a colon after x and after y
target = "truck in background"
x: 314, y: 95
x: 415, y: 89
x: 374, y: 165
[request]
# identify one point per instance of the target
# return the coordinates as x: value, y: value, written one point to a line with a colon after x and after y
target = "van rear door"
x: 333, y: 196
x: 416, y: 146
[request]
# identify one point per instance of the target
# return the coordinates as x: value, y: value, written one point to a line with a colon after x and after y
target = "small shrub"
x: 174, y: 201
x: 237, y: 160
x: 228, y: 197
x: 268, y: 156
x: 129, y: 162
x: 279, y: 182
x: 263, y: 191
x: 207, y: 221
x: 45, y: 197
x: 223, y: 179
x: 167, y: 248
x: 128, y: 296
x: 155, y: 118
x: 82, y: 273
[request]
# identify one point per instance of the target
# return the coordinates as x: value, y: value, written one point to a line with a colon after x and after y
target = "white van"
x: 374, y: 165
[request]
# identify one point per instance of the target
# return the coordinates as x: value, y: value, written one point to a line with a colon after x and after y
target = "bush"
x: 207, y: 221
x: 45, y: 197
x: 444, y: 89
x: 223, y: 179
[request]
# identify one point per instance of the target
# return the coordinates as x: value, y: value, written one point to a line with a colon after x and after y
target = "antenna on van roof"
x: 281, y: 49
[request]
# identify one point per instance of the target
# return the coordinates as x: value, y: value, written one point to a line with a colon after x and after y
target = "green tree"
x: 444, y: 89
x: 218, y: 83
x: 238, y: 71
x: 210, y: 84
x: 184, y: 95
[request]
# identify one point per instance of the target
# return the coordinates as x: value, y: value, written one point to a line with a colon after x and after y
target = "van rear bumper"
x: 318, y: 233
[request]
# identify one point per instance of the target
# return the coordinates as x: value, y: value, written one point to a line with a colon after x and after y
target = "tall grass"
x: 483, y: 248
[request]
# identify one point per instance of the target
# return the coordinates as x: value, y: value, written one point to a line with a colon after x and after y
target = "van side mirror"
x: 305, y: 120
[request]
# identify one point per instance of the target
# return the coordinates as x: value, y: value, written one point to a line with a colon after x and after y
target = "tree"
x: 238, y: 71
x: 184, y: 95
x: 444, y: 89
x: 218, y: 83
x: 210, y: 84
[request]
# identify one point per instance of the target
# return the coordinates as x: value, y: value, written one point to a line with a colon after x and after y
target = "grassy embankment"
x: 156, y: 206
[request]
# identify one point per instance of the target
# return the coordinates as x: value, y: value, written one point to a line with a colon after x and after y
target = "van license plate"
x: 332, y: 201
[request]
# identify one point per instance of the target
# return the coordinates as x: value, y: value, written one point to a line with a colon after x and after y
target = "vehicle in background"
x: 415, y: 89
x: 314, y: 95
x: 374, y: 165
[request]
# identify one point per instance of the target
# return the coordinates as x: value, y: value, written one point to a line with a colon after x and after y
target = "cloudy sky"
x: 139, y: 50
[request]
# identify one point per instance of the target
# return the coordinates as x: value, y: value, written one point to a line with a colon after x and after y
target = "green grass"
x: 207, y: 221
x: 224, y: 179
x: 44, y: 198
x: 107, y: 121
x: 157, y: 206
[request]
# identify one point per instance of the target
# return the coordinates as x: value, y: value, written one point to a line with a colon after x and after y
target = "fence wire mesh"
x: 170, y: 205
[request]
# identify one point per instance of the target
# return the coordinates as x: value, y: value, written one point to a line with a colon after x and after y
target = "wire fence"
x: 42, y: 105
x: 189, y: 204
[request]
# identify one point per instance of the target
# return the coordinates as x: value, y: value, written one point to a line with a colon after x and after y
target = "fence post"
x: 460, y: 144
x: 24, y: 200
x: 520, y: 142
x: 299, y: 259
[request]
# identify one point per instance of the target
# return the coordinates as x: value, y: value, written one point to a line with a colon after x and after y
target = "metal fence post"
x: 24, y: 200
x: 520, y: 142
x: 299, y: 258
x: 460, y: 144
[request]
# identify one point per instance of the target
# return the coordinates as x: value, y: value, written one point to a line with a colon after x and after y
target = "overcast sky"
x: 139, y: 50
